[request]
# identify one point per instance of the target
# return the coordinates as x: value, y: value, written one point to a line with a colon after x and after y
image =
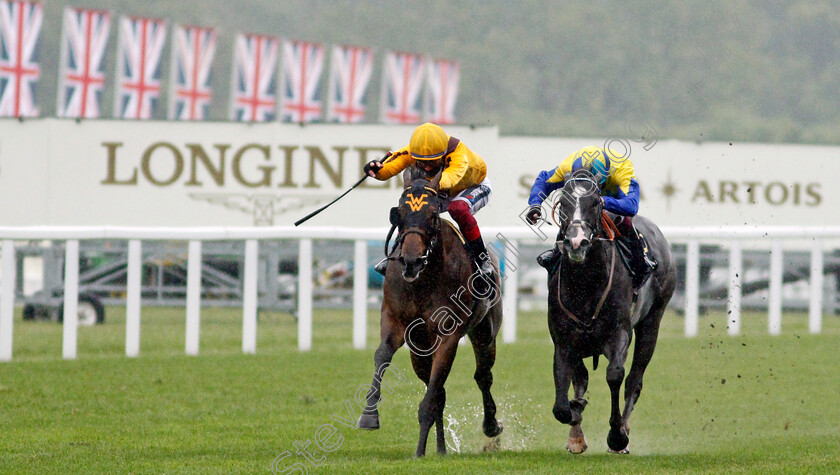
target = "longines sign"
x: 198, y: 174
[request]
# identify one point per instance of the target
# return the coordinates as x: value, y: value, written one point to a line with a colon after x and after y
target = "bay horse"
x: 431, y: 298
x: 592, y: 310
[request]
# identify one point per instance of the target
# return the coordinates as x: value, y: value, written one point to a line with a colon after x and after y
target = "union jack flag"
x: 442, y: 91
x: 254, y: 82
x: 141, y: 43
x: 82, y: 78
x: 20, y: 25
x: 349, y: 78
x: 193, y: 48
x: 402, y: 84
x: 303, y: 64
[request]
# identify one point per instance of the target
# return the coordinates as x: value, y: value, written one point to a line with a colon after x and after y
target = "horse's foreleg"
x: 647, y: 333
x: 484, y: 348
x: 431, y: 408
x: 562, y: 380
x: 580, y: 379
x: 616, y: 352
x: 392, y: 339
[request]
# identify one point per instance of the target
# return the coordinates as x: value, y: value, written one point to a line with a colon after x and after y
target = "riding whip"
x: 305, y: 218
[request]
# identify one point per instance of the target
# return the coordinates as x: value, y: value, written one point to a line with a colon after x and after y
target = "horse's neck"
x: 591, y: 275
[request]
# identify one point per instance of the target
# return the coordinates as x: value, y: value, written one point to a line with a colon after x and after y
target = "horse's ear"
x: 435, y: 183
x: 407, y: 177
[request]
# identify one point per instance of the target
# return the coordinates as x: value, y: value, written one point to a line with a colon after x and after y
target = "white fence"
x: 195, y: 236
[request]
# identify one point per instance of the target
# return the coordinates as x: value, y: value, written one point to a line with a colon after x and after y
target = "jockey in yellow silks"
x: 463, y: 182
x: 619, y: 192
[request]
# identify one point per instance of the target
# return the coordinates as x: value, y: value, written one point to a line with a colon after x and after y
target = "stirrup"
x: 650, y: 262
x: 381, y: 266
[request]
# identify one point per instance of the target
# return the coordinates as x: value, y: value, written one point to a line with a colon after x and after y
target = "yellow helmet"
x: 428, y: 142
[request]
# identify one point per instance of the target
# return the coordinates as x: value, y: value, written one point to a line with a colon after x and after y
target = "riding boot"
x: 478, y: 254
x: 548, y: 260
x: 642, y: 262
x: 381, y: 266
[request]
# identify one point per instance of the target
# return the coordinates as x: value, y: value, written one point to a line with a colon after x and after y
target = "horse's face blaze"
x: 580, y: 215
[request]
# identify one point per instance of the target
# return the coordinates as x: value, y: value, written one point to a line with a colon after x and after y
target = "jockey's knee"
x: 624, y: 224
x: 461, y: 213
x: 459, y: 210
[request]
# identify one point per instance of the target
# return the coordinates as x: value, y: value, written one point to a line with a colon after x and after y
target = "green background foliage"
x: 763, y: 71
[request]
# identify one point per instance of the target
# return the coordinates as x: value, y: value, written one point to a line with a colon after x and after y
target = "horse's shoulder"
x: 450, y: 232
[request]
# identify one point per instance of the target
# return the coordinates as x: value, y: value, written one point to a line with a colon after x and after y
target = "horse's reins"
x: 612, y: 233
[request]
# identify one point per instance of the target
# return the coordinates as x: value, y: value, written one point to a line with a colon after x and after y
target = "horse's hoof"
x: 368, y: 422
x: 493, y: 430
x: 577, y: 441
x: 577, y: 445
x: 492, y: 445
x: 624, y: 451
x: 617, y: 440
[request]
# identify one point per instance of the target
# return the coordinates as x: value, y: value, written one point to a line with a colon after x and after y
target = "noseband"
x: 429, y: 240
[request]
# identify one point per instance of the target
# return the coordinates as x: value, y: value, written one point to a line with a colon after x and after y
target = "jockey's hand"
x: 372, y: 167
x: 534, y: 215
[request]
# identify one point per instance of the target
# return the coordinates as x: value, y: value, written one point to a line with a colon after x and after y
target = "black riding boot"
x: 642, y: 262
x: 478, y: 254
x: 548, y: 260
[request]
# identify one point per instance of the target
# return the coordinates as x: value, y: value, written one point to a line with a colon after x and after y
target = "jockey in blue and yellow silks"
x: 619, y: 193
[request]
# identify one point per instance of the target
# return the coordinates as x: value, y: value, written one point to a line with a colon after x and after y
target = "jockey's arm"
x: 543, y: 186
x: 456, y: 169
x: 398, y: 162
x: 627, y: 201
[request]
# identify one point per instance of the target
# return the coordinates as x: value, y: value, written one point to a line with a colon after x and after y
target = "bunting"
x: 82, y: 77
x: 193, y: 49
x: 350, y: 72
x: 303, y: 64
x: 402, y: 84
x: 254, y: 79
x: 139, y: 50
x: 20, y: 26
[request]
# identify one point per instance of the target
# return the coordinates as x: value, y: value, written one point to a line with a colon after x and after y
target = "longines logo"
x: 267, y: 170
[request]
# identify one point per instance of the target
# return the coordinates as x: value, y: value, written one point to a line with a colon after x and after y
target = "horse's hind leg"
x: 392, y: 339
x: 647, y: 332
x: 580, y: 379
x: 484, y: 348
x: 431, y: 408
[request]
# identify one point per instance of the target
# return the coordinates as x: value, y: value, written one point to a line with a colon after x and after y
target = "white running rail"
x: 692, y: 236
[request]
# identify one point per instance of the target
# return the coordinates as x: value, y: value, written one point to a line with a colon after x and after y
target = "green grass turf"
x: 711, y: 404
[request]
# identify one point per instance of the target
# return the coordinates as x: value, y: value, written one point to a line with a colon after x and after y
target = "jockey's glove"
x: 534, y: 215
x: 372, y: 166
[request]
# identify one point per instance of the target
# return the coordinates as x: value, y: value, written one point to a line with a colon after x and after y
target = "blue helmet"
x: 596, y: 163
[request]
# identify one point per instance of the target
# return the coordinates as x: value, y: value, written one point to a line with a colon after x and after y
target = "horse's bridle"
x: 592, y: 236
x: 429, y: 237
